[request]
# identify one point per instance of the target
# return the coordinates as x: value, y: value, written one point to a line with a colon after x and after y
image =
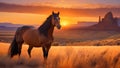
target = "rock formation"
x: 106, y: 23
x: 108, y: 20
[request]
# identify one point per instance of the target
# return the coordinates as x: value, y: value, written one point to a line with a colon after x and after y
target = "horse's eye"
x: 57, y: 18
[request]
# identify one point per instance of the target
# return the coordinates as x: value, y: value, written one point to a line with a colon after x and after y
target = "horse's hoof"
x: 29, y: 56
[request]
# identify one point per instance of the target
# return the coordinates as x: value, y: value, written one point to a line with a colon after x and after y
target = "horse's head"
x: 56, y: 20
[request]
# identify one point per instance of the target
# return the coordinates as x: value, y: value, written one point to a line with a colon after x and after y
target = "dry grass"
x: 64, y: 57
x: 104, y: 42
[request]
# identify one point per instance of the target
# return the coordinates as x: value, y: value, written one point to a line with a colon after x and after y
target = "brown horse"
x: 41, y: 37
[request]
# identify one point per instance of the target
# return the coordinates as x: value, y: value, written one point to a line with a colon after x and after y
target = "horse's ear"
x: 52, y: 12
x: 58, y: 13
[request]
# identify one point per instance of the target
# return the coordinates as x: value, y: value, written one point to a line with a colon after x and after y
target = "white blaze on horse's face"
x: 56, y: 20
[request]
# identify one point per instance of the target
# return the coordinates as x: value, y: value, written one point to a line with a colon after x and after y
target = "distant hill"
x: 82, y: 25
x: 9, y: 26
x: 6, y: 24
x: 85, y: 24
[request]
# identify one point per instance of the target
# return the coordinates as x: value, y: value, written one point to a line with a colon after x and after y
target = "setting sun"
x: 64, y: 23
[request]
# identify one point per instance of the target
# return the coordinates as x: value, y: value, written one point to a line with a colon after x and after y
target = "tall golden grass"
x: 63, y: 57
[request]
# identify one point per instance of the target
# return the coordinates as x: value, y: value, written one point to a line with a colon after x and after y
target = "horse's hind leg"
x: 29, y: 50
x: 19, y: 48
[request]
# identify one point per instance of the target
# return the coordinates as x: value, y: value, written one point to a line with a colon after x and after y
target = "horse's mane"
x: 45, y: 26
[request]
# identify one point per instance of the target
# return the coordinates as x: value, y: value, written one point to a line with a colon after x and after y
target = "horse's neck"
x: 46, y: 29
x: 50, y: 32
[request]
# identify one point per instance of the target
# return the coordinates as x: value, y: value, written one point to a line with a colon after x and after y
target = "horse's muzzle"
x: 58, y: 26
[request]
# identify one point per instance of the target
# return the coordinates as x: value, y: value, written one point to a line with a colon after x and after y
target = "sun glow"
x: 64, y: 23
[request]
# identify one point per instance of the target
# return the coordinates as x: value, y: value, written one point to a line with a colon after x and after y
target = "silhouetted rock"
x: 108, y: 20
x: 107, y: 23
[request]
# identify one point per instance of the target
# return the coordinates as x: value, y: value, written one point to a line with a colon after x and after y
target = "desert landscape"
x: 89, y: 36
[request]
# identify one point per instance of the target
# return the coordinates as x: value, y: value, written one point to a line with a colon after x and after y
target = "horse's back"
x: 33, y: 37
x: 20, y: 31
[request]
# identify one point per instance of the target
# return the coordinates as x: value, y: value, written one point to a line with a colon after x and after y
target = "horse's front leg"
x: 29, y: 50
x: 46, y: 50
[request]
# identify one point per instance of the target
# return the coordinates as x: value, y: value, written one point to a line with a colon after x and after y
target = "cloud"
x: 75, y: 5
x: 73, y: 12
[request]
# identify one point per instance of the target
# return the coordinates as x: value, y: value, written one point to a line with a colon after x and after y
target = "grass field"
x: 63, y: 57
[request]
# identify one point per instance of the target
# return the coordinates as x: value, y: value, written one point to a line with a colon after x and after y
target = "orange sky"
x: 26, y: 14
x: 29, y: 18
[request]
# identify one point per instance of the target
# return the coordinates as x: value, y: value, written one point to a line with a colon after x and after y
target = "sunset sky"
x: 71, y: 11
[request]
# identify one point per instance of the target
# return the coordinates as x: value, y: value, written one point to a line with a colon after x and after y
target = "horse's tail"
x: 13, y: 49
x: 16, y: 45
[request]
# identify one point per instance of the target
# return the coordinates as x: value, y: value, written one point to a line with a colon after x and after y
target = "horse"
x: 41, y: 37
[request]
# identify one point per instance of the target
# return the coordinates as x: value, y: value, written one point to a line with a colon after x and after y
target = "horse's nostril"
x: 58, y: 26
